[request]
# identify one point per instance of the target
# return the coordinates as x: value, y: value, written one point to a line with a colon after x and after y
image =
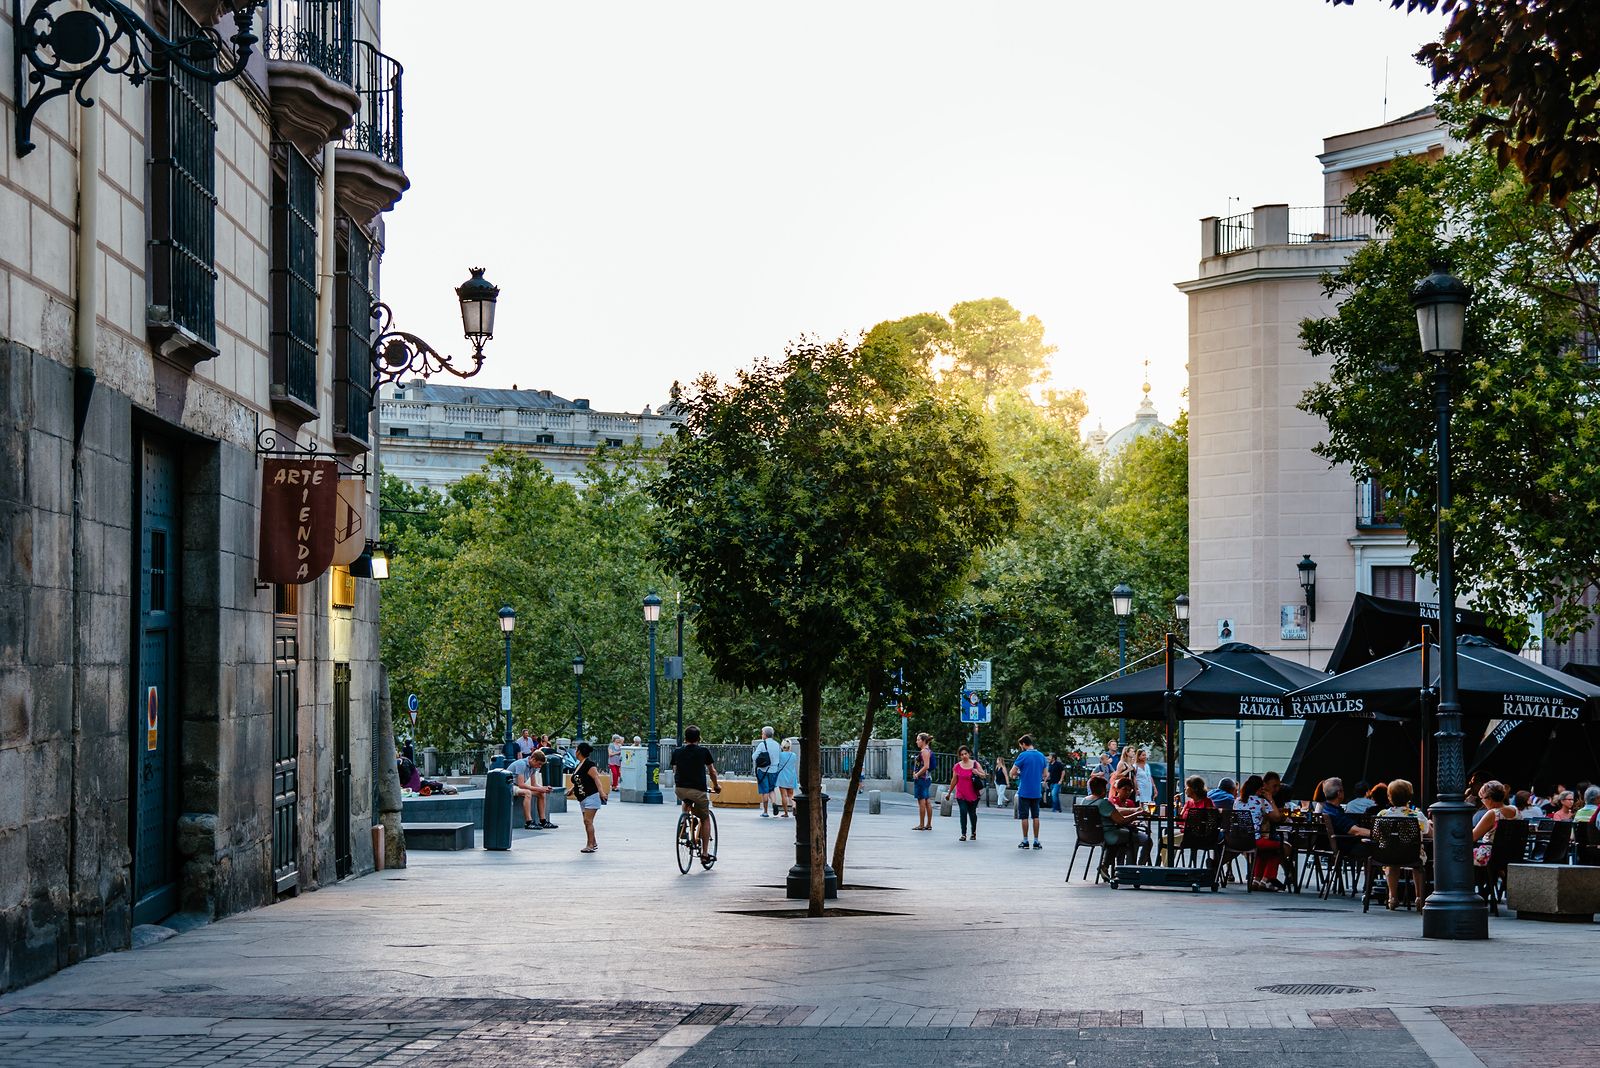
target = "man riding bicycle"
x: 691, y: 763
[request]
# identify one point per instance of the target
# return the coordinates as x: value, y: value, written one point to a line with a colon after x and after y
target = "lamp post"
x: 577, y: 678
x: 652, y: 758
x: 1122, y: 605
x: 1308, y: 582
x: 1180, y: 612
x: 1453, y: 910
x: 679, y: 602
x: 397, y: 353
x: 508, y: 623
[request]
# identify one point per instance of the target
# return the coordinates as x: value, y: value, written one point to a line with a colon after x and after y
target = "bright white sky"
x: 662, y: 189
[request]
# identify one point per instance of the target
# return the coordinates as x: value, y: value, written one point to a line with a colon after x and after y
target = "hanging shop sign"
x: 350, y: 529
x: 299, y: 512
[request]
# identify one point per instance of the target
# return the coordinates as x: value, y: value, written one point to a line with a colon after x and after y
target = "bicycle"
x: 688, y: 842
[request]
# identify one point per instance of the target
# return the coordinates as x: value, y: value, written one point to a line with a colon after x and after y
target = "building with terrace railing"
x: 435, y: 434
x: 189, y: 261
x: 1260, y: 500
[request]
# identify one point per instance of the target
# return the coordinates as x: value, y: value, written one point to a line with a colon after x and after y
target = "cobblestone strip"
x: 1511, y: 1036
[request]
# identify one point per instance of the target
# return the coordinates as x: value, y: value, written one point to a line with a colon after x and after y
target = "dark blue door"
x: 155, y: 712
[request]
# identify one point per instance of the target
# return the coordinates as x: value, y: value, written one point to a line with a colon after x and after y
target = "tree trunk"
x: 811, y: 780
x: 874, y: 699
x: 389, y: 798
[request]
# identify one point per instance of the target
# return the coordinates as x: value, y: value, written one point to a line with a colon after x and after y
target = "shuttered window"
x: 294, y: 276
x: 352, y: 380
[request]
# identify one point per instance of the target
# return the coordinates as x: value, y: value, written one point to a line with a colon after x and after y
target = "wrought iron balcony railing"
x: 377, y: 127
x: 1375, y: 506
x: 314, y: 32
x: 1293, y: 226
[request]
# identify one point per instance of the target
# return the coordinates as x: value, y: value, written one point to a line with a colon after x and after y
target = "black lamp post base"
x: 650, y: 797
x: 1460, y: 916
x: 798, y: 884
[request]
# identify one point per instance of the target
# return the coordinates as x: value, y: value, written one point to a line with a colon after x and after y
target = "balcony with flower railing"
x: 307, y: 45
x: 371, y: 173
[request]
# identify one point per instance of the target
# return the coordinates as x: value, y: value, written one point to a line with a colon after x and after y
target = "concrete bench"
x: 1563, y: 893
x: 440, y: 836
x: 736, y: 793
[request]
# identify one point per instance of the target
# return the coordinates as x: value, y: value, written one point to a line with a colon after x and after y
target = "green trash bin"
x: 497, y: 810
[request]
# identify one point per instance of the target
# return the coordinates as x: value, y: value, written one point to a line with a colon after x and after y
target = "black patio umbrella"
x: 1494, y: 683
x: 1377, y: 626
x: 1539, y: 753
x: 1233, y: 681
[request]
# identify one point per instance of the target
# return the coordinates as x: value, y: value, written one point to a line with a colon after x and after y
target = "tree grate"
x: 1313, y: 989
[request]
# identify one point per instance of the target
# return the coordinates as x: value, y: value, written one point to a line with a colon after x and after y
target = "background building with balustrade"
x: 434, y: 435
x: 1260, y: 498
x: 187, y: 273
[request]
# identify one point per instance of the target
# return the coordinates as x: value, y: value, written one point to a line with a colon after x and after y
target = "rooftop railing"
x: 1282, y: 225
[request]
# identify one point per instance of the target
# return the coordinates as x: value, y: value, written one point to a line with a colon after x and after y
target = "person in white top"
x: 764, y: 755
x: 1144, y: 781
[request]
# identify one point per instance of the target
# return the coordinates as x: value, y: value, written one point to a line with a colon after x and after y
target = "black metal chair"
x: 1238, y: 842
x: 1091, y: 835
x: 1510, y: 847
x: 1558, y: 849
x: 1397, y: 844
x: 1200, y: 835
x: 1344, y: 855
x: 1299, y: 852
x: 1587, y: 837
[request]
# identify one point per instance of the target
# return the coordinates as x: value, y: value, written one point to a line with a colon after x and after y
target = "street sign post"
x: 980, y: 677
x: 413, y: 706
x: 974, y: 707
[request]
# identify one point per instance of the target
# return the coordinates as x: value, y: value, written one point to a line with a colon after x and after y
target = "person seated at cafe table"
x: 1265, y: 815
x: 1120, y: 818
x: 1360, y: 803
x: 1522, y: 801
x: 1222, y: 796
x: 1400, y: 794
x: 1565, y: 807
x: 1591, y: 806
x: 1495, y: 809
x: 1333, y: 808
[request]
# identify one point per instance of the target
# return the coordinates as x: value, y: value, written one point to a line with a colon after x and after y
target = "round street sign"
x: 412, y: 703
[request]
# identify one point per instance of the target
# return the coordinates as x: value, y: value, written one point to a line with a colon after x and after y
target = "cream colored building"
x: 1259, y: 498
x: 184, y: 266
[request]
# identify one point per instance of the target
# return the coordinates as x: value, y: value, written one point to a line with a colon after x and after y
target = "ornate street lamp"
x: 508, y: 623
x: 652, y: 764
x: 1308, y: 582
x: 1453, y: 910
x: 397, y: 353
x: 59, y: 47
x: 577, y: 678
x: 1122, y: 606
x: 1180, y: 608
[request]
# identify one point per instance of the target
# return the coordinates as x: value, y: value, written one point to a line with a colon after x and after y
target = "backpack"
x: 764, y: 758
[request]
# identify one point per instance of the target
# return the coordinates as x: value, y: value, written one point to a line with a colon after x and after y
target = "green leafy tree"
x: 1525, y: 429
x: 1533, y: 67
x: 816, y: 508
x: 987, y: 343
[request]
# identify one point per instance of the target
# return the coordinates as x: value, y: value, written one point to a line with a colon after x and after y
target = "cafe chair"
x: 1587, y: 837
x: 1091, y: 836
x: 1396, y: 843
x: 1200, y: 835
x: 1238, y: 843
x: 1344, y: 857
x: 1510, y: 847
x: 1558, y: 849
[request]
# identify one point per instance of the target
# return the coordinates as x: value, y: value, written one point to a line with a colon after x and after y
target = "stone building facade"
x: 433, y: 435
x: 185, y: 266
x: 1259, y: 498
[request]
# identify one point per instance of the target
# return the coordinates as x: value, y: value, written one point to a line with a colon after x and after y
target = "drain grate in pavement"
x: 1311, y: 909
x: 1313, y: 989
x: 801, y: 914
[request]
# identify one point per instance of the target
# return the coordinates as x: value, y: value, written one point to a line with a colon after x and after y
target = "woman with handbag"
x: 966, y: 787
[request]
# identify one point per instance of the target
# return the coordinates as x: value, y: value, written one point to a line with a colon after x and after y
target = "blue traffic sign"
x: 974, y: 708
x: 412, y: 704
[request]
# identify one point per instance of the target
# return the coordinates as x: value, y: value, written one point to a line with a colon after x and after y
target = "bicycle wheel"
x: 709, y: 857
x: 686, y: 843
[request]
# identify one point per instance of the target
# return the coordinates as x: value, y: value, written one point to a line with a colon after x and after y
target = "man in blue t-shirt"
x: 1027, y: 772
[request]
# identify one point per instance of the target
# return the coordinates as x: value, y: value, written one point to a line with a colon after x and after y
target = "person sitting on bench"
x: 526, y: 773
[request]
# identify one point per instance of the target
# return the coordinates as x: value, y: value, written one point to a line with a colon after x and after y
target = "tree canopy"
x: 1533, y: 66
x: 987, y: 343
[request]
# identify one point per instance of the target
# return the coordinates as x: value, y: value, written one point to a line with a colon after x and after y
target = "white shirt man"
x: 764, y: 755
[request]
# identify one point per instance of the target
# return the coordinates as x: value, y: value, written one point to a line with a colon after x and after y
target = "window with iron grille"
x: 352, y: 335
x: 183, y: 201
x: 294, y: 276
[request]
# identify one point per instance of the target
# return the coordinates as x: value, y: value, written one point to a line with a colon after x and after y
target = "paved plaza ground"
x: 970, y: 953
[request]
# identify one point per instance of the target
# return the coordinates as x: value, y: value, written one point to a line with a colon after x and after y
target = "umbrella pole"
x: 1168, y: 825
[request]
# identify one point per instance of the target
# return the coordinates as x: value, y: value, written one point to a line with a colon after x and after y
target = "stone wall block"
x: 52, y: 540
x: 49, y: 471
x: 19, y: 542
x: 49, y: 636
x: 13, y: 622
x: 13, y: 858
x: 51, y: 398
x: 16, y: 707
x: 52, y: 702
x: 49, y: 791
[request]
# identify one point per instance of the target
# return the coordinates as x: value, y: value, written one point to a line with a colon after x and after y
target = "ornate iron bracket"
x: 397, y: 353
x: 271, y: 442
x: 58, y: 52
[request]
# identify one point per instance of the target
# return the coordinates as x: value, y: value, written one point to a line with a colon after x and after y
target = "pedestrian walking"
x: 614, y: 760
x: 1056, y: 771
x: 1028, y: 773
x: 788, y: 777
x: 998, y: 773
x: 588, y: 790
x: 966, y: 786
x: 922, y: 783
x: 525, y: 744
x: 764, y: 755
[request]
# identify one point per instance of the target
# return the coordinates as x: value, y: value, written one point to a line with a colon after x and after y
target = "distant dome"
x: 1145, y: 422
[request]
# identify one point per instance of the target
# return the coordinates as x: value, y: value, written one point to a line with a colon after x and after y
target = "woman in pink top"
x: 966, y: 783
